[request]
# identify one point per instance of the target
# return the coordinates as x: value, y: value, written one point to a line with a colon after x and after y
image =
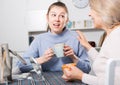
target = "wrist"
x: 80, y: 76
x: 75, y: 59
x: 88, y: 47
x: 40, y: 60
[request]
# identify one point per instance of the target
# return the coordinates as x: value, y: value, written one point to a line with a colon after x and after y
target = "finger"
x: 66, y: 69
x: 79, y: 38
x: 79, y: 32
x: 67, y: 72
x: 65, y: 78
x: 81, y: 35
x: 50, y: 55
x: 67, y: 48
x: 68, y: 53
x: 72, y: 67
x: 48, y: 58
x: 49, y: 52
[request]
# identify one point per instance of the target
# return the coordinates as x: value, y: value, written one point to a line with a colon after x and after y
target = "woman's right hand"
x: 46, y: 56
x: 83, y: 40
x: 73, y: 73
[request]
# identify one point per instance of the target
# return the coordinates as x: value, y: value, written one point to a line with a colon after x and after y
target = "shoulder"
x: 73, y: 33
x: 42, y: 35
x: 114, y: 35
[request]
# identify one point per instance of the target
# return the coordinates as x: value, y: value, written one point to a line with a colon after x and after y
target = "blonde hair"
x: 108, y: 10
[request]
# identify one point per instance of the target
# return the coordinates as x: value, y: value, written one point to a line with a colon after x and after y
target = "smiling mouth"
x: 56, y: 25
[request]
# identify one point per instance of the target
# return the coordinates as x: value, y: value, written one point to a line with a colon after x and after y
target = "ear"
x: 67, y: 20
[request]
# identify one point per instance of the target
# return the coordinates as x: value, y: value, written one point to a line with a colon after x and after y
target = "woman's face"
x: 97, y: 20
x: 57, y: 19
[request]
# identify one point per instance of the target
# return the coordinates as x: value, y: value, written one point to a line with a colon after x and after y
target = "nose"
x: 89, y: 14
x: 57, y: 18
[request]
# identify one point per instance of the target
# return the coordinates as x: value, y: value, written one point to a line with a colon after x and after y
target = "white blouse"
x: 109, y: 49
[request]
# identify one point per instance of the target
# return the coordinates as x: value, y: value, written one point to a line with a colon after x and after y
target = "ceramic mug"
x: 58, y: 49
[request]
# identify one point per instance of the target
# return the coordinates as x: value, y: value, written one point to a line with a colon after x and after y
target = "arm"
x: 35, y: 50
x: 83, y: 40
x: 93, y: 53
x: 83, y: 60
x: 80, y: 58
x: 46, y: 56
x: 75, y: 73
x: 31, y: 52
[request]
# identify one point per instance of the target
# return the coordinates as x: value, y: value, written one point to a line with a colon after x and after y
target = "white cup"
x: 58, y: 49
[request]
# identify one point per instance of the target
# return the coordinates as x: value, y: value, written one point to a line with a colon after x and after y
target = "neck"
x: 108, y: 30
x: 115, y: 27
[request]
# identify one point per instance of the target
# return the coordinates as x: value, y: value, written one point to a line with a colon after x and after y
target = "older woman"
x: 106, y: 16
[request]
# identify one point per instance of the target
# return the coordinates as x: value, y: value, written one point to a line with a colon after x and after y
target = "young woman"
x: 106, y: 16
x: 41, y: 47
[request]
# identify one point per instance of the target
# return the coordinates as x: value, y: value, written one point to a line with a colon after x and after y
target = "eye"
x: 53, y: 15
x: 62, y: 16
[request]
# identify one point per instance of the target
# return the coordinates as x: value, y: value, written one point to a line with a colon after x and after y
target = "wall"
x: 75, y: 13
x: 13, y: 28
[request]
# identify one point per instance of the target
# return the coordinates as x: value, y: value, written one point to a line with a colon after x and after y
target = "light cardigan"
x: 109, y: 49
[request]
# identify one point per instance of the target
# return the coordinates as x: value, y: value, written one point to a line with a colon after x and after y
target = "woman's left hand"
x: 68, y: 51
